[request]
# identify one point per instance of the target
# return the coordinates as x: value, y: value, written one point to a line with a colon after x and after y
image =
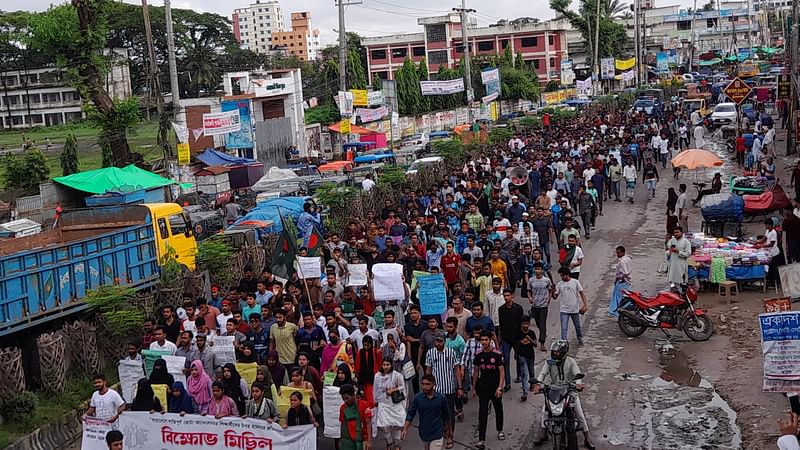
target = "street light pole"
x: 463, y: 11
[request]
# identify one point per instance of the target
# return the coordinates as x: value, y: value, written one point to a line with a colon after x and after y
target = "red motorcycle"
x: 668, y: 309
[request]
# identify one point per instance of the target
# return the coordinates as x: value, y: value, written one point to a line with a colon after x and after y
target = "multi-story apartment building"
x: 542, y: 44
x: 42, y: 96
x: 301, y: 41
x: 253, y: 26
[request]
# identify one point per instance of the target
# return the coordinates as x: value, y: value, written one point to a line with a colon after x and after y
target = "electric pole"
x: 596, y: 49
x: 463, y: 11
x: 155, y: 83
x: 635, y: 8
x: 343, y: 44
x: 173, y: 67
x: 691, y: 50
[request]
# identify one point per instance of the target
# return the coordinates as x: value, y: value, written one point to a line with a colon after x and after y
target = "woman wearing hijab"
x: 247, y: 354
x: 264, y: 376
x: 235, y: 387
x: 276, y: 369
x: 367, y: 364
x: 310, y: 374
x: 343, y: 376
x: 180, y: 401
x: 145, y: 399
x: 672, y: 217
x: 337, y: 352
x: 199, y: 384
x: 159, y: 375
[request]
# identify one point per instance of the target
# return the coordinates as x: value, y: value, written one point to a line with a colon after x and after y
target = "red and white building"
x: 542, y: 44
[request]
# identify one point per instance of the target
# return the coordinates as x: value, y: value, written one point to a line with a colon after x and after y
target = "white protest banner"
x: 490, y: 75
x: 607, y: 69
x: 432, y: 294
x: 387, y: 281
x: 371, y: 115
x: 790, y: 279
x: 182, y: 132
x: 175, y: 365
x: 375, y: 98
x: 358, y: 275
x: 173, y: 432
x: 130, y: 372
x: 94, y: 434
x: 628, y: 76
x: 345, y: 102
x: 780, y: 343
x: 489, y: 98
x: 445, y: 87
x: 221, y: 122
x: 224, y: 349
x: 331, y: 401
x: 309, y: 267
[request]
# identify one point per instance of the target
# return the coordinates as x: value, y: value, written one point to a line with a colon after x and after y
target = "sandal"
x: 501, y: 436
x: 449, y: 444
x: 480, y: 445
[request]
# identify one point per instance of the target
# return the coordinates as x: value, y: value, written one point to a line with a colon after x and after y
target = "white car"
x: 417, y: 139
x: 423, y: 163
x: 724, y: 114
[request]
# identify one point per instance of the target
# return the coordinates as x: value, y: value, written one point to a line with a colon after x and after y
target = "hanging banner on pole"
x: 181, y: 131
x: 567, y: 74
x: 345, y: 102
x: 376, y: 98
x: 624, y: 64
x: 607, y: 70
x: 360, y: 97
x: 446, y: 87
x: 662, y: 62
x: 221, y: 122
x: 344, y: 126
x: 371, y: 115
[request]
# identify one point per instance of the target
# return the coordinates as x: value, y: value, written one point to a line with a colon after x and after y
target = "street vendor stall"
x: 748, y: 184
x: 720, y: 259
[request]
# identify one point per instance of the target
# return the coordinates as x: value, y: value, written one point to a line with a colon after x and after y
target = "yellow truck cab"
x: 173, y: 229
x: 696, y: 104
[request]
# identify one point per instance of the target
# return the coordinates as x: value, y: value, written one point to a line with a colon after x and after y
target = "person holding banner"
x: 221, y: 405
x: 199, y: 386
x: 145, y: 399
x: 106, y: 404
x: 261, y: 407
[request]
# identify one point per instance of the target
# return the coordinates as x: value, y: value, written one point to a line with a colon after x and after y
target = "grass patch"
x: 51, y: 406
x: 142, y: 139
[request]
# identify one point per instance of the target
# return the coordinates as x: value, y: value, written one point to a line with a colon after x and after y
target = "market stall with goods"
x: 721, y: 259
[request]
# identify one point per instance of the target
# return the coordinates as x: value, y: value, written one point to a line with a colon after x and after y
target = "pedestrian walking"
x: 622, y: 280
x: 433, y: 413
x: 573, y: 304
x: 540, y: 292
x: 488, y: 378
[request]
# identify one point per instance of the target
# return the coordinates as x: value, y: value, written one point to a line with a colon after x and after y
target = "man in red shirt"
x: 355, y: 418
x: 450, y: 263
x: 740, y: 149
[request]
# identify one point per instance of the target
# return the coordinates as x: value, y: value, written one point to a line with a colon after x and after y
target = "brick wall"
x: 194, y: 119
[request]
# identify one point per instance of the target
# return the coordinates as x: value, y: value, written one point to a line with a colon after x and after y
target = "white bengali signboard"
x: 490, y: 75
x: 309, y: 267
x: 357, y: 275
x: 331, y: 401
x: 145, y: 431
x: 375, y: 98
x: 371, y: 115
x: 130, y: 372
x: 445, y: 87
x: 387, y: 281
x: 221, y: 123
x: 224, y: 349
x: 780, y: 343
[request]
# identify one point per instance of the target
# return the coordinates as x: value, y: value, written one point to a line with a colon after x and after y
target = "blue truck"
x: 45, y: 277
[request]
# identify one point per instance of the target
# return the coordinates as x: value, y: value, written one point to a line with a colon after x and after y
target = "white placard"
x: 387, y: 281
x: 94, y: 434
x: 221, y: 122
x: 445, y: 87
x: 490, y: 75
x: 790, y: 279
x: 331, y: 401
x: 175, y: 366
x: 309, y: 267
x: 358, y: 275
x: 224, y: 349
x: 130, y: 372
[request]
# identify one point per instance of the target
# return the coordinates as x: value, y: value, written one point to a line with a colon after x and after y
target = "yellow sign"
x: 360, y: 97
x: 284, y: 400
x: 344, y: 126
x: 624, y: 64
x: 184, y: 154
x: 247, y: 371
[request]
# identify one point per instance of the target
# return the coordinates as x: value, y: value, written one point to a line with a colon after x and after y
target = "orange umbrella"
x: 695, y: 158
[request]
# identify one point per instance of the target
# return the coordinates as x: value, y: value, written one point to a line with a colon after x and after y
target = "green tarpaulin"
x: 100, y: 181
x: 710, y: 62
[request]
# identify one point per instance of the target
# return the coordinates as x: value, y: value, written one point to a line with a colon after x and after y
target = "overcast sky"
x: 371, y: 18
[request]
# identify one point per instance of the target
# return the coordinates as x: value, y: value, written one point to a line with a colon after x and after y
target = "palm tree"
x: 614, y: 9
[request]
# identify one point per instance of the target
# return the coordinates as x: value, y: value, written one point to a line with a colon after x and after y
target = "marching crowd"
x: 498, y: 243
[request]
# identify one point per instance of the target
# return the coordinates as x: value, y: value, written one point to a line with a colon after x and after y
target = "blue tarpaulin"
x: 735, y: 273
x: 270, y: 210
x: 213, y: 157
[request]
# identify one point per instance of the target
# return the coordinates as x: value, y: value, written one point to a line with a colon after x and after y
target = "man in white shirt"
x: 226, y: 314
x: 758, y: 155
x: 161, y: 342
x: 106, y: 404
x: 769, y: 141
x: 367, y: 184
x: 629, y: 174
x: 588, y: 173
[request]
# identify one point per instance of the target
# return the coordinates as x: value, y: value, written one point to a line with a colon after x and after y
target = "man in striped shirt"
x: 445, y: 366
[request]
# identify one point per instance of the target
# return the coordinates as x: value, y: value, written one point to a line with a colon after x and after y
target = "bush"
x: 393, y: 176
x: 530, y: 123
x: 25, y: 172
x: 20, y: 408
x: 171, y: 270
x: 500, y: 136
x: 114, y: 304
x: 216, y: 256
x: 451, y: 150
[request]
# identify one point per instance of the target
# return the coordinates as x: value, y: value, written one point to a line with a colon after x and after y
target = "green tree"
x: 710, y: 6
x: 324, y: 114
x: 614, y: 9
x: 409, y: 95
x: 613, y: 37
x: 25, y: 172
x: 424, y: 75
x: 74, y: 35
x: 377, y: 83
x: 507, y: 59
x: 519, y: 62
x: 69, y: 156
x: 518, y: 84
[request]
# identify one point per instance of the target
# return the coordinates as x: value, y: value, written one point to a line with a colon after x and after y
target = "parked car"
x: 724, y: 114
x: 649, y: 106
x: 423, y: 163
x: 416, y: 139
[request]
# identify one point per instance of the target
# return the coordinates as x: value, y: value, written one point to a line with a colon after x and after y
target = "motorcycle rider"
x: 561, y: 369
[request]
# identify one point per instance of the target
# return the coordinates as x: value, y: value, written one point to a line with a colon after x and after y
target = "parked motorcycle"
x: 560, y: 419
x: 668, y: 309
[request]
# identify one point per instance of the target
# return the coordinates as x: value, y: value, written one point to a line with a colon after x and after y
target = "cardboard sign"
x: 309, y: 267
x: 432, y: 294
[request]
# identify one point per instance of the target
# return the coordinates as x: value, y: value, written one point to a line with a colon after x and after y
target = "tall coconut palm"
x: 614, y: 9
